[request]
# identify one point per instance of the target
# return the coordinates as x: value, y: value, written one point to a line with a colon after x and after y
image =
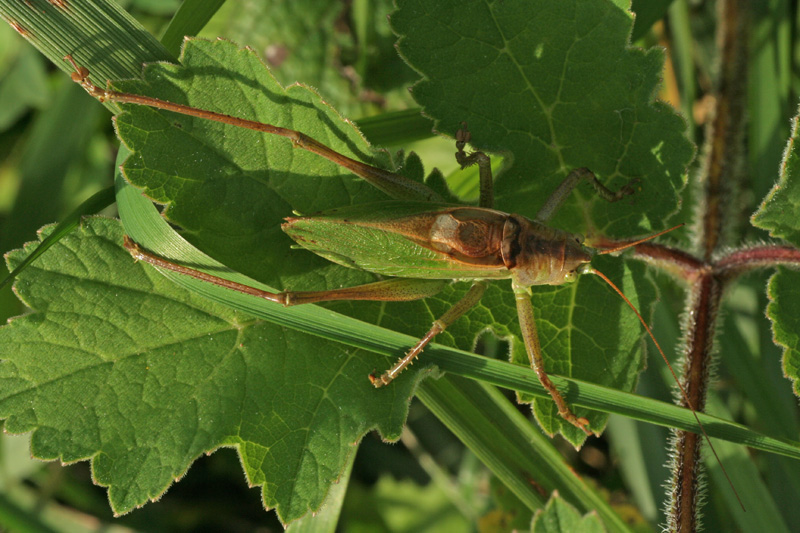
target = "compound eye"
x: 578, y: 238
x: 570, y: 277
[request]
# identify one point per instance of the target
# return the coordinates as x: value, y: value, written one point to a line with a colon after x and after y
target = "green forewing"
x: 360, y: 237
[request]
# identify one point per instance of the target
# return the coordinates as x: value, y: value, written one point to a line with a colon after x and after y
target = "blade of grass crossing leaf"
x: 190, y: 18
x: 94, y: 204
x: 87, y: 30
x: 502, y: 438
x: 452, y: 409
x: 146, y: 226
x: 682, y: 57
x: 483, y: 424
x: 762, y: 512
x: 396, y: 128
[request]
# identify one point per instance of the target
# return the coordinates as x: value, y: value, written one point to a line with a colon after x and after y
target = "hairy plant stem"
x: 719, y: 181
x: 706, y: 283
x: 700, y: 327
x: 713, y: 266
x: 709, y: 271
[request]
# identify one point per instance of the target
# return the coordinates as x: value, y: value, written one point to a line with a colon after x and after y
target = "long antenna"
x: 640, y: 241
x: 592, y: 270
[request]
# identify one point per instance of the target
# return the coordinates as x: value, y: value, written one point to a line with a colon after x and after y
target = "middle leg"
x: 462, y: 306
x: 559, y: 196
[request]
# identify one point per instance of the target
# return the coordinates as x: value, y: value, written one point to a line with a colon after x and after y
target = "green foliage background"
x: 170, y: 376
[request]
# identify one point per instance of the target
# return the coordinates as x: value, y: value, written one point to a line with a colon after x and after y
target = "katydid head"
x: 540, y: 255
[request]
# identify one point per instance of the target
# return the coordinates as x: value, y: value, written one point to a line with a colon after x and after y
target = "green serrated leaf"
x: 556, y: 85
x: 574, y: 94
x: 119, y: 365
x: 229, y: 189
x: 784, y: 312
x: 559, y: 516
x: 780, y: 211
